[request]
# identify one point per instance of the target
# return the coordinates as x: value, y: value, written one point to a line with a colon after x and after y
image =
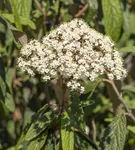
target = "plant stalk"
x: 120, y: 98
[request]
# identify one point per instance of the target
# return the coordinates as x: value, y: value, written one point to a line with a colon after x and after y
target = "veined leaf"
x: 23, y: 7
x: 83, y: 143
x: 114, y: 136
x: 77, y: 112
x: 9, y: 102
x: 39, y: 125
x: 126, y: 29
x: 67, y: 134
x: 57, y: 146
x: 49, y: 143
x: 23, y: 20
x: 42, y: 109
x: 21, y: 139
x: 76, y: 115
x: 35, y: 118
x: 112, y: 18
x: 16, y: 15
x: 127, y: 49
x: 37, y: 143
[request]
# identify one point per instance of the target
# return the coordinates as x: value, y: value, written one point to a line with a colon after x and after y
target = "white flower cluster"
x: 71, y: 52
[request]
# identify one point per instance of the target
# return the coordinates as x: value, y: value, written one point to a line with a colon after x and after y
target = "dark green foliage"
x: 115, y: 134
x: 113, y: 20
x: 67, y: 132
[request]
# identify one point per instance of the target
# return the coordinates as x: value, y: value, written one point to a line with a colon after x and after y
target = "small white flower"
x: 72, y: 51
x: 46, y: 78
x: 81, y: 89
x: 69, y: 84
x: 110, y: 76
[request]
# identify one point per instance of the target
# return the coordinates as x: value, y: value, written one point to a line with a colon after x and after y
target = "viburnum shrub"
x: 67, y: 56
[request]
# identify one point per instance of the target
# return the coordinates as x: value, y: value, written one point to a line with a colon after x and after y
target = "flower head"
x: 71, y: 52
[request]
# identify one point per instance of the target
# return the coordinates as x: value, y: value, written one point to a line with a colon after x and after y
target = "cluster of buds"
x: 72, y: 52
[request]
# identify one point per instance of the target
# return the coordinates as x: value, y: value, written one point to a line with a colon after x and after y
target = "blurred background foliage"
x: 21, y: 96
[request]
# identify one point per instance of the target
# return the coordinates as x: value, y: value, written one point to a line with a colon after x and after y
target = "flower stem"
x: 120, y: 98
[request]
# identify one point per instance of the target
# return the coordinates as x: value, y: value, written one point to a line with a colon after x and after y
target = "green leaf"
x: 76, y: 112
x: 35, y: 118
x: 9, y: 102
x: 83, y: 143
x: 112, y: 18
x: 9, y: 77
x: 131, y: 128
x: 57, y: 146
x: 126, y: 29
x: 67, y: 134
x: 76, y: 115
x: 23, y: 20
x: 39, y: 125
x: 5, y: 96
x: 55, y: 7
x: 2, y: 87
x: 37, y: 143
x: 132, y: 22
x: 114, y: 136
x: 92, y: 10
x: 11, y: 127
x: 27, y: 116
x: 2, y: 80
x: 129, y: 88
x: 49, y: 143
x: 18, y: 35
x: 3, y: 109
x: 2, y: 69
x: 11, y: 148
x: 127, y: 49
x: 21, y: 139
x: 42, y: 109
x: 23, y: 7
x: 129, y: 101
x: 67, y: 1
x: 16, y: 15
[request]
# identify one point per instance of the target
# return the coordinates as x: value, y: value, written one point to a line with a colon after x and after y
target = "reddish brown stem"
x: 82, y: 11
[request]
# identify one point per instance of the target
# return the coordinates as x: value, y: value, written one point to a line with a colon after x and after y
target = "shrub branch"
x: 120, y: 98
